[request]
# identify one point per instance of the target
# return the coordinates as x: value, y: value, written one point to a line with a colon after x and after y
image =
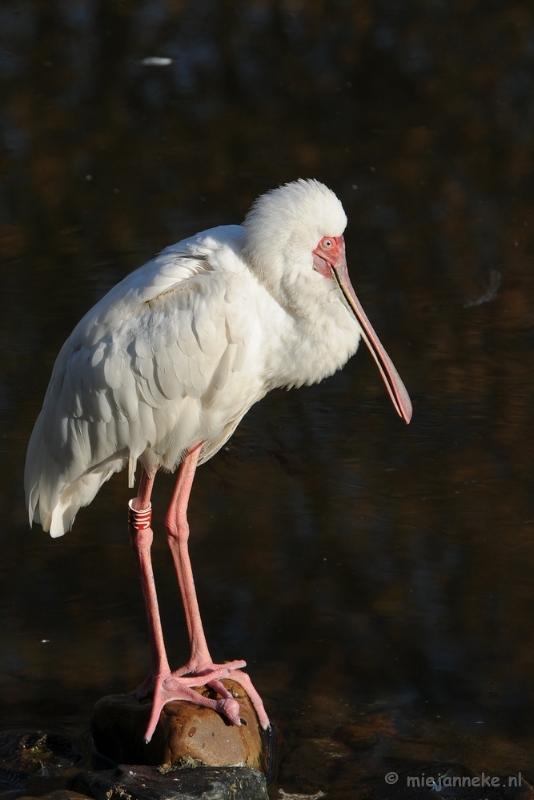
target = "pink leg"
x: 200, y: 669
x: 200, y: 662
x: 141, y: 537
x: 166, y: 687
x: 177, y: 537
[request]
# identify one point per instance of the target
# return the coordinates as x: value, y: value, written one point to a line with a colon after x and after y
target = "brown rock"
x: 184, y: 731
x: 358, y: 737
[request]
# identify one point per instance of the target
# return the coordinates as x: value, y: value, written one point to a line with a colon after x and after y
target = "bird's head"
x: 284, y: 227
x: 293, y: 242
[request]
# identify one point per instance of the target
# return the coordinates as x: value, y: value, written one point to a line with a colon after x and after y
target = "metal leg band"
x: 139, y: 520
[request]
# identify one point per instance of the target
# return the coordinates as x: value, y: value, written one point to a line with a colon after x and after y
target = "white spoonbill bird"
x: 164, y: 367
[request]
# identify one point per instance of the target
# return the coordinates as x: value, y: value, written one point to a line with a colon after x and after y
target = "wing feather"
x: 140, y: 377
x: 166, y: 376
x: 220, y: 377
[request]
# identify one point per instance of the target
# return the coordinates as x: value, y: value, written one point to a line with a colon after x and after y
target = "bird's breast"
x: 311, y: 347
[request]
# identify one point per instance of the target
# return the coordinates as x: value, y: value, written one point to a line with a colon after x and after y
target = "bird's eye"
x: 328, y: 243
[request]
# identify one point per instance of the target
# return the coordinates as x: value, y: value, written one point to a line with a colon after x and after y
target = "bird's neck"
x: 306, y: 337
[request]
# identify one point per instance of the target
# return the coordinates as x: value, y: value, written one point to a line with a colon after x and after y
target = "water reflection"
x: 354, y: 563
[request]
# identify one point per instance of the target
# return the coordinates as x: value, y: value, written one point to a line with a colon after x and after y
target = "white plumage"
x: 168, y: 362
x: 179, y: 350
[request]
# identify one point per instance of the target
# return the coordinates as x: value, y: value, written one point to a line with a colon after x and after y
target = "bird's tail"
x: 51, y: 499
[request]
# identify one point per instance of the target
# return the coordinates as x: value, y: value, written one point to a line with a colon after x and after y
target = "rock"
x: 29, y: 757
x: 145, y: 783
x: 184, y: 730
x: 357, y: 737
x: 35, y: 753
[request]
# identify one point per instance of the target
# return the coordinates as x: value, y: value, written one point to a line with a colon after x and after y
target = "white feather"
x: 178, y: 351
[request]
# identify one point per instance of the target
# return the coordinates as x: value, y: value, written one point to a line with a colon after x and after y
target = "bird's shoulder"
x: 171, y: 329
x: 213, y: 255
x: 180, y: 279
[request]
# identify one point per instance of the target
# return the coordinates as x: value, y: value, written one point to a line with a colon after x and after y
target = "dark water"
x: 359, y: 566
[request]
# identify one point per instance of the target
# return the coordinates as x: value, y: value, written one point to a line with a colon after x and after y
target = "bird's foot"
x: 179, y: 685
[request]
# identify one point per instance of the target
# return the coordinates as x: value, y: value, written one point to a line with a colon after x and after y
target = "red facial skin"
x: 330, y: 262
x: 329, y: 253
